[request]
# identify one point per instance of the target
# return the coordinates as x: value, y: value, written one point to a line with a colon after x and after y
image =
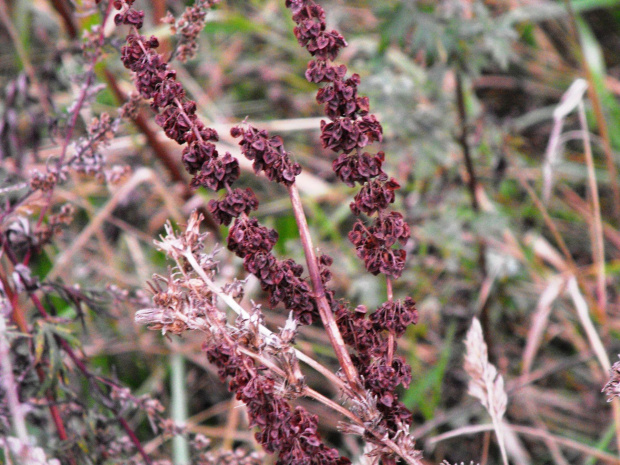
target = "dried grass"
x: 486, y: 384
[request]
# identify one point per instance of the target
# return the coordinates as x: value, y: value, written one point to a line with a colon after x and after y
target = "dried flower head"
x: 486, y: 384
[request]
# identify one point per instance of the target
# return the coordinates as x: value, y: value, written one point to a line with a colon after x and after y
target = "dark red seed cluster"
x: 235, y: 203
x: 375, y: 196
x: 358, y: 168
x: 155, y: 80
x: 128, y: 15
x: 248, y: 237
x: 368, y: 336
x: 350, y: 129
x: 395, y: 316
x: 347, y: 134
x: 374, y: 244
x: 281, y: 279
x: 217, y: 173
x: 340, y: 98
x: 267, y: 154
x: 290, y: 432
x: 311, y: 31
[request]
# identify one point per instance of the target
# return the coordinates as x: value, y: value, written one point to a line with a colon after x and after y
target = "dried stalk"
x: 327, y: 317
x: 599, y: 244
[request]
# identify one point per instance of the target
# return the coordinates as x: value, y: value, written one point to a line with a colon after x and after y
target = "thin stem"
x: 595, y: 341
x: 180, y: 446
x: 599, y: 248
x: 391, y: 341
x: 327, y: 317
x: 597, y: 109
x: 547, y: 218
x: 472, y: 181
x: 65, y: 12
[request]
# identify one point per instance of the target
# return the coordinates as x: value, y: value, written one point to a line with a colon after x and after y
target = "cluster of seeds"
x: 349, y: 130
x: 291, y: 432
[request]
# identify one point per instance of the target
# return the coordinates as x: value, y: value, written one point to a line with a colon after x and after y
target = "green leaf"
x: 426, y: 393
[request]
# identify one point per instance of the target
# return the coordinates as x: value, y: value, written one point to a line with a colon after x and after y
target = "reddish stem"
x: 391, y: 340
x: 327, y: 317
x: 64, y: 10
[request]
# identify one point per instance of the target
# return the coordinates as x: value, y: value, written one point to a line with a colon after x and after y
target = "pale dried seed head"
x: 486, y: 383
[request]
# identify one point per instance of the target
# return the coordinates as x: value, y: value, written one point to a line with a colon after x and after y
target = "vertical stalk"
x: 180, y: 446
x: 472, y: 183
x: 327, y: 317
x: 598, y: 251
x: 391, y: 342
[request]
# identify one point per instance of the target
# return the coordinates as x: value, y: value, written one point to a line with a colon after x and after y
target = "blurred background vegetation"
x: 466, y: 92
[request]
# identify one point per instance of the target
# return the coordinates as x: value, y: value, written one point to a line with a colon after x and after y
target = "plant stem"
x: 598, y: 242
x: 327, y: 317
x: 180, y: 446
x: 472, y: 183
x: 391, y: 341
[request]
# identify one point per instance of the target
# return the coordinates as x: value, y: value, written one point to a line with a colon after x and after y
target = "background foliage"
x: 499, y: 256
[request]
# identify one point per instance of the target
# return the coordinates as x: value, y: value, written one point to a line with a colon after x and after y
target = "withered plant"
x: 262, y: 367
x: 310, y: 344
